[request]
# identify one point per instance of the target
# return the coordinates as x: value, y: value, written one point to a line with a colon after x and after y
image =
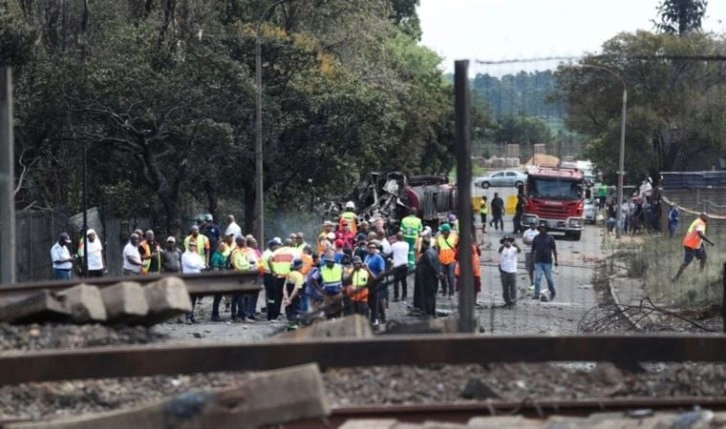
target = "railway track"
x: 463, y: 412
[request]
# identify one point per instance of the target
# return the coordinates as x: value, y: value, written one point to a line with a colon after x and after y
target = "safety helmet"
x: 350, y: 205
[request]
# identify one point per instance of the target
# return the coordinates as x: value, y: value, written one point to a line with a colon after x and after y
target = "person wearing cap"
x: 543, y: 247
x: 212, y: 231
x: 446, y: 244
x: 292, y: 294
x: 96, y: 262
x: 171, y: 257
x: 150, y: 255
x: 693, y: 244
x: 508, y: 270
x: 328, y: 228
x: 349, y: 217
x: 428, y: 274
x: 131, y: 256
x: 454, y: 222
x: 331, y: 274
x: 377, y: 298
x: 359, y: 280
x: 201, y: 241
x: 363, y: 230
x: 411, y: 227
x: 61, y: 258
x: 527, y: 238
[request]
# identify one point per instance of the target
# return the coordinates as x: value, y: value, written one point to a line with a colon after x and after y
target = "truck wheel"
x: 485, y: 185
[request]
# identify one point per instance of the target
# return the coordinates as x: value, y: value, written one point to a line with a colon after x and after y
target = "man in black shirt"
x: 497, y: 212
x: 543, y: 247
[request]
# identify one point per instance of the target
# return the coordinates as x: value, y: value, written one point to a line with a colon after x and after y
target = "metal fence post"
x: 7, y: 179
x: 463, y: 183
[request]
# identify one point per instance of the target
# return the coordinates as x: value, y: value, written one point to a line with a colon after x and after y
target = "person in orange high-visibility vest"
x: 446, y: 244
x: 476, y: 269
x: 693, y: 243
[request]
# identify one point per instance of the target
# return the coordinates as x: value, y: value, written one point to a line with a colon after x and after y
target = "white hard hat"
x: 350, y: 205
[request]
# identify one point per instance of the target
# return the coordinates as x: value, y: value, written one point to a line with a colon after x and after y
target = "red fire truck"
x: 555, y: 196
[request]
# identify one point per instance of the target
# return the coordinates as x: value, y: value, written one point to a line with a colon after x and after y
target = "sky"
x: 495, y: 30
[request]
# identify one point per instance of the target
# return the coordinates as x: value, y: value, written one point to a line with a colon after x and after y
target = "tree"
x: 678, y: 17
x: 523, y: 130
x: 675, y: 116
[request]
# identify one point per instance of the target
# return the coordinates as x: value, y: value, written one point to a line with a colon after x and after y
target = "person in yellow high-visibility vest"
x: 349, y: 217
x: 483, y: 212
x: 411, y: 227
x: 693, y: 243
x: 202, y: 243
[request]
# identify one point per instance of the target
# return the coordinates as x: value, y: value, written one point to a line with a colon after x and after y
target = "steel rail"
x: 458, y: 349
x: 220, y: 282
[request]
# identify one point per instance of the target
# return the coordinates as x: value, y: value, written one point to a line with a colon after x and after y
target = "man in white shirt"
x: 399, y: 252
x: 527, y: 238
x: 96, y: 265
x: 192, y: 262
x: 61, y: 258
x: 232, y: 228
x: 132, y: 257
x: 508, y: 270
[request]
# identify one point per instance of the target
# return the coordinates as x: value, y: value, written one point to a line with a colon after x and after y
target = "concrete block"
x: 267, y: 399
x: 84, y: 303
x: 167, y: 298
x: 38, y: 308
x: 125, y: 302
x: 355, y: 326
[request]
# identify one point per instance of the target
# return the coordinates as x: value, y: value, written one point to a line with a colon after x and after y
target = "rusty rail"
x: 138, y: 361
x: 220, y: 282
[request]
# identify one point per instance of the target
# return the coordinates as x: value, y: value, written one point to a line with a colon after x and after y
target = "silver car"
x: 508, y: 178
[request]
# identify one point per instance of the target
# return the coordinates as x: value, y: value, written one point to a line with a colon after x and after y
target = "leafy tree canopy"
x: 678, y: 17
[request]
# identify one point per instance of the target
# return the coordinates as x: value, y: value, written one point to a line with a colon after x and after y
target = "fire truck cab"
x: 554, y: 196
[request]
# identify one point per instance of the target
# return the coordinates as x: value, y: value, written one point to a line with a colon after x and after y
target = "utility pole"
x: 7, y: 179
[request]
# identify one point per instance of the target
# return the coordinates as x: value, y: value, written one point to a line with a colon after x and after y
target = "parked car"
x: 590, y: 211
x: 501, y: 179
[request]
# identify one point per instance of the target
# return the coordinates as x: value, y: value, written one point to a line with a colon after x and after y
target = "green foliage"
x: 525, y: 130
x: 162, y: 94
x: 675, y: 118
x: 678, y: 17
x: 521, y: 94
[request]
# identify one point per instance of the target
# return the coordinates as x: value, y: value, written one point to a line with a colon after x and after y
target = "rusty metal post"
x: 463, y: 183
x: 7, y: 179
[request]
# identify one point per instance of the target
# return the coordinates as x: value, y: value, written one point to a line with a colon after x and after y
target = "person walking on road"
x: 527, y: 238
x: 508, y: 253
x: 693, y: 244
x: 497, y: 212
x: 61, y: 258
x: 543, y: 248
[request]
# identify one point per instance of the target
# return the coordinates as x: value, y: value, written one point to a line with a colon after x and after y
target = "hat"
x: 65, y: 237
x: 357, y: 260
x: 208, y: 217
x: 90, y: 231
x: 170, y: 239
x: 230, y: 234
x: 329, y: 258
x: 330, y: 236
x: 445, y: 227
x: 328, y: 223
x: 297, y: 263
x: 508, y: 238
x: 339, y: 243
x: 274, y: 242
x: 452, y: 217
